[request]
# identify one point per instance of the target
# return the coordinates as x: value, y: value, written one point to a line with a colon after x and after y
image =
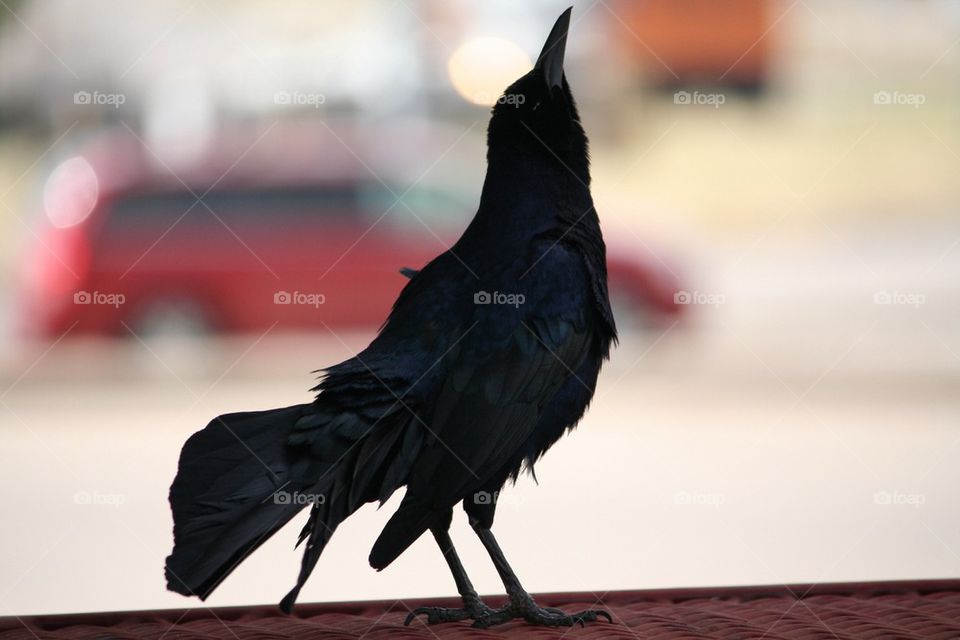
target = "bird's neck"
x: 532, y: 195
x: 535, y: 161
x: 518, y: 205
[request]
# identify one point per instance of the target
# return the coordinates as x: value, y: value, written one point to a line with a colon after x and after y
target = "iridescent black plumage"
x: 455, y: 394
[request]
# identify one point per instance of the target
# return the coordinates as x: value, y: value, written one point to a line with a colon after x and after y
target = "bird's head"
x: 537, y: 116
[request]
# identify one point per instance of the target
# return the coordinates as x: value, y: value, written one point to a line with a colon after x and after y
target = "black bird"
x: 490, y: 353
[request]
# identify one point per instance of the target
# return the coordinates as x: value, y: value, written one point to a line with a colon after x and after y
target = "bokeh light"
x: 481, y: 68
x: 70, y: 192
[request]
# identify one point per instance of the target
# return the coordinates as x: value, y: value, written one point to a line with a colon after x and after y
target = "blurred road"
x: 794, y: 438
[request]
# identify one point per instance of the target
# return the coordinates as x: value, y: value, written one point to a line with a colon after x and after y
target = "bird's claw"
x: 544, y: 616
x: 484, y: 617
x: 436, y: 615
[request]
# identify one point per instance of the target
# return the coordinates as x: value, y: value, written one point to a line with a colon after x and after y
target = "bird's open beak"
x: 550, y: 62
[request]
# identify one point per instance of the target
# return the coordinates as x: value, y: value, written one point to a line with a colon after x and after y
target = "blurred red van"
x: 290, y: 229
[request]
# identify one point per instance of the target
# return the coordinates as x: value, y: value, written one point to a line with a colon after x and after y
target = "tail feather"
x: 414, y: 515
x: 238, y: 476
x: 324, y: 520
x: 356, y: 480
x: 409, y: 522
x: 224, y: 497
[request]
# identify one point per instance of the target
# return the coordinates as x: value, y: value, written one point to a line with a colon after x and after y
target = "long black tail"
x: 237, y: 484
x: 246, y: 475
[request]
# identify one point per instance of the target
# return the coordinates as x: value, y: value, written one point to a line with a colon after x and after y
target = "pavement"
x: 791, y: 431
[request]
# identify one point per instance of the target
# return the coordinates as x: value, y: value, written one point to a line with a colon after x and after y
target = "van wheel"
x: 175, y: 318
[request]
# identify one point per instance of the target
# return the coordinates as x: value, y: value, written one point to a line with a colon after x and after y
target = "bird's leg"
x: 521, y: 604
x: 473, y: 607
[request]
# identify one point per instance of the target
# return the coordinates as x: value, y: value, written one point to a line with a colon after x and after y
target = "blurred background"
x: 203, y: 201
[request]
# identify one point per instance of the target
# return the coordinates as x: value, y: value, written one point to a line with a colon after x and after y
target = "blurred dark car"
x: 292, y: 229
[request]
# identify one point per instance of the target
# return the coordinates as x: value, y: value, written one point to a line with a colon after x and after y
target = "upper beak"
x: 550, y: 62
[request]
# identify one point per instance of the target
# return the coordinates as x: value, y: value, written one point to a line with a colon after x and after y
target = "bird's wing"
x: 499, y: 384
x: 373, y: 404
x: 491, y: 403
x: 494, y: 392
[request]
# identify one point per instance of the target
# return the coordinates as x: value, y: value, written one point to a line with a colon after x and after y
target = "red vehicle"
x: 298, y: 233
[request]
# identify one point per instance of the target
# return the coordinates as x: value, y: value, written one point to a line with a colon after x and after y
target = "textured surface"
x: 901, y: 610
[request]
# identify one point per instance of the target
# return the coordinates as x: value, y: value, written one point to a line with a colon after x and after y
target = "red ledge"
x: 924, y: 609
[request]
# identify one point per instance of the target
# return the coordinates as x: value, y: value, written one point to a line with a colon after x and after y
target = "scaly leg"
x: 473, y: 607
x: 521, y: 605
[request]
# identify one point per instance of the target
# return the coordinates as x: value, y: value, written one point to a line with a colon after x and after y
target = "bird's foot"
x: 523, y: 606
x: 473, y: 609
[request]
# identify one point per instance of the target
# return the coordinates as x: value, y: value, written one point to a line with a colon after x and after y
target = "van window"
x: 247, y: 208
x: 437, y: 209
